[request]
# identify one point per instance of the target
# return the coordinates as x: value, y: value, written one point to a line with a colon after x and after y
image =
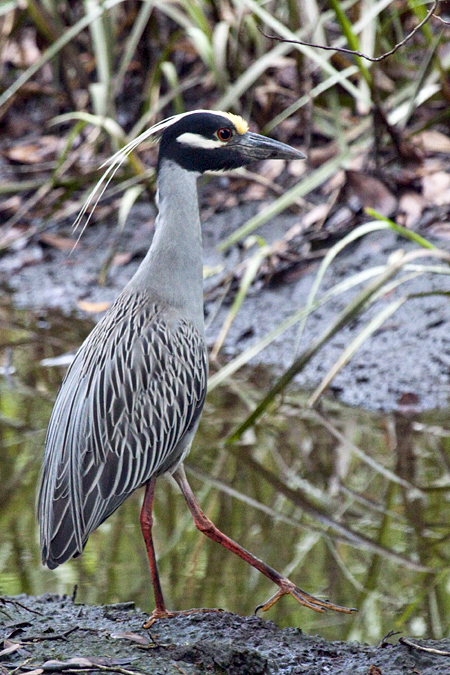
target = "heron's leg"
x: 146, y: 520
x: 205, y: 525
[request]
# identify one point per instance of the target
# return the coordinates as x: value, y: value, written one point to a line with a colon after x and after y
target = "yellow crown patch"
x: 238, y: 121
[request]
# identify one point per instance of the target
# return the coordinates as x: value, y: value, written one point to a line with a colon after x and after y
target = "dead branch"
x: 19, y: 604
x: 428, y: 650
x: 373, y: 59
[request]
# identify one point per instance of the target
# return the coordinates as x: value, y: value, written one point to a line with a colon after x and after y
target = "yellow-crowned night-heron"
x: 130, y: 404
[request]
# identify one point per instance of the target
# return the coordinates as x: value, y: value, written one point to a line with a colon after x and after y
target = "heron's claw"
x: 305, y: 599
x: 165, y: 614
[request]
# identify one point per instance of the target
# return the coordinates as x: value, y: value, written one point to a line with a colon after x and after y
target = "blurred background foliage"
x: 118, y: 66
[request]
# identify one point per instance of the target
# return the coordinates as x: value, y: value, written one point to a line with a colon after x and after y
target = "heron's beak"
x: 257, y: 147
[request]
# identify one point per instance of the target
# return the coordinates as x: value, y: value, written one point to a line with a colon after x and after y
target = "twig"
x: 106, y: 669
x: 343, y: 50
x: 183, y: 672
x: 439, y: 18
x: 19, y: 667
x: 19, y: 604
x: 428, y: 650
x: 42, y: 638
x: 384, y: 642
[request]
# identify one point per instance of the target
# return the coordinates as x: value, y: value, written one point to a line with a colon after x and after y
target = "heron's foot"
x: 305, y: 599
x: 165, y: 614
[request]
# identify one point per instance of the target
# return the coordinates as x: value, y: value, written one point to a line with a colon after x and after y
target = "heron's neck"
x: 172, y: 270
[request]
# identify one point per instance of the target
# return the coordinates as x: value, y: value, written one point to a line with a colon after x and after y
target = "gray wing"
x: 126, y: 410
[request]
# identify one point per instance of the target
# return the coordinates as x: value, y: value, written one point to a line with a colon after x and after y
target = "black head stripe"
x: 196, y: 158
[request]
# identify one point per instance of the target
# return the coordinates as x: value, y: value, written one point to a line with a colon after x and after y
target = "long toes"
x: 304, y: 599
x: 319, y: 605
x: 157, y: 614
x: 160, y: 614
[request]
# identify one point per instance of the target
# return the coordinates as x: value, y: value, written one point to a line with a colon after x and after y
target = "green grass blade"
x: 352, y: 39
x: 55, y: 48
x: 348, y: 314
x: 242, y: 359
x: 132, y: 42
x: 249, y: 275
x: 359, y: 232
x: 407, y: 234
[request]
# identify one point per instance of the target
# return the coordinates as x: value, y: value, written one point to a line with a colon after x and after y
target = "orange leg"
x: 205, y: 525
x: 146, y: 520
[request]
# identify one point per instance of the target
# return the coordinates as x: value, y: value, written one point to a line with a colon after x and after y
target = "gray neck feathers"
x: 172, y: 271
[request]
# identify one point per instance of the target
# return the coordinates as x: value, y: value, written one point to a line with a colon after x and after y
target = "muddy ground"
x: 43, y: 634
x: 408, y: 358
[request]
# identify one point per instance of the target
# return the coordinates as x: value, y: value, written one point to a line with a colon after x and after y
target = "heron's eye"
x: 224, y: 134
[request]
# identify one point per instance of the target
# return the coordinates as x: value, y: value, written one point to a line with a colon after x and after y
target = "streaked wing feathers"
x: 132, y: 395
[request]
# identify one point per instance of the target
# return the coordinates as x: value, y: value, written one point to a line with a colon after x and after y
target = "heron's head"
x: 216, y: 141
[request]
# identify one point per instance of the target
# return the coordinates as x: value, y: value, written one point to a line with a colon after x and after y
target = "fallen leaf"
x: 371, y: 193
x: 78, y: 662
x: 318, y: 156
x: 75, y: 662
x: 209, y: 271
x: 433, y: 141
x: 255, y: 192
x: 82, y: 661
x: 408, y: 398
x: 436, y: 188
x: 271, y: 168
x: 336, y: 182
x: 410, y: 207
x: 121, y: 259
x: 11, y: 204
x: 34, y: 153
x: 375, y: 670
x: 316, y: 214
x: 383, y: 82
x: 440, y: 229
x: 12, y: 647
x: 58, y: 242
x: 69, y: 208
x: 22, y: 54
x: 296, y: 168
x: 295, y: 231
x: 133, y: 637
x: 13, y: 234
x: 26, y: 154
x: 27, y: 256
x: 93, y: 307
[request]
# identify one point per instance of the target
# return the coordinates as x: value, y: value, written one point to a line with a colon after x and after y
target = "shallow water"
x: 352, y: 506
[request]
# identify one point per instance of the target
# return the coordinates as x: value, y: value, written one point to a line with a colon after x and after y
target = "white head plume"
x: 115, y: 162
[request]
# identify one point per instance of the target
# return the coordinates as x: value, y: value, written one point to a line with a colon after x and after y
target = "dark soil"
x: 51, y: 630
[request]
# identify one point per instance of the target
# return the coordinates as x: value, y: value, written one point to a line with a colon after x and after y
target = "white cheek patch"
x: 199, y: 141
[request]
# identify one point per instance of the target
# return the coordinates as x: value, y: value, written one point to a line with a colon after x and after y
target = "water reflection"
x: 350, y: 505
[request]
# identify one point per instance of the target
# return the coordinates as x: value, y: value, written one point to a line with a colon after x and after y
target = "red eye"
x: 224, y: 134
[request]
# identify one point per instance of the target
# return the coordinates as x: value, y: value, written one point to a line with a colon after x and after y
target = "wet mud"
x: 53, y: 634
